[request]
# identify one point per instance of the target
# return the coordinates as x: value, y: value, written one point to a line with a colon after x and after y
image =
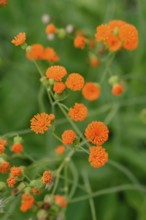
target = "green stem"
x: 12, y: 134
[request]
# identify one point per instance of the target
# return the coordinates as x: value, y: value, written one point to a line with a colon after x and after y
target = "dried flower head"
x: 98, y: 156
x: 47, y: 177
x: 91, y: 91
x: 97, y: 132
x: 78, y: 112
x: 19, y: 39
x: 17, y: 148
x: 68, y: 137
x: 56, y: 72
x: 41, y: 122
x: 75, y: 82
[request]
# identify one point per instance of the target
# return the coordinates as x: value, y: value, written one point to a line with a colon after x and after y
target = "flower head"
x: 78, y: 112
x: 117, y: 89
x: 4, y: 167
x: 97, y: 132
x: 94, y: 62
x: 113, y: 42
x: 59, y: 87
x: 47, y: 177
x: 17, y: 148
x: 60, y: 149
x: 79, y: 42
x: 68, y: 137
x: 36, y: 52
x: 3, y: 2
x: 11, y: 181
x: 51, y: 29
x: 56, y: 72
x: 98, y: 156
x: 50, y: 55
x: 26, y: 202
x: 15, y: 171
x: 60, y: 201
x: 41, y: 122
x: 3, y: 142
x: 19, y: 39
x: 103, y: 31
x: 2, y: 148
x: 91, y: 91
x: 75, y: 82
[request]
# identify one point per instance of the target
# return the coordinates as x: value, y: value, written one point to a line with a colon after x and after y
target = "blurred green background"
x: 20, y: 92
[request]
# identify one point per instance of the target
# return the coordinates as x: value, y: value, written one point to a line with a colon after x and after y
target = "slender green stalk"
x: 12, y: 134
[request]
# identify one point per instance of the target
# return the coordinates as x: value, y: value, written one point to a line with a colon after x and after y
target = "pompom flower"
x: 78, y: 112
x: 36, y: 52
x: 4, y: 167
x: 59, y: 87
x: 98, y: 156
x: 56, y: 72
x: 75, y: 82
x: 41, y: 122
x: 50, y: 55
x: 68, y: 137
x: 51, y: 29
x: 117, y: 89
x: 11, y: 181
x: 26, y: 202
x: 79, y: 42
x: 47, y: 177
x: 103, y: 31
x: 60, y: 201
x: 17, y: 148
x: 15, y: 171
x: 3, y: 2
x: 19, y: 39
x: 97, y: 132
x: 2, y: 148
x: 3, y: 142
x: 91, y: 91
x: 60, y: 149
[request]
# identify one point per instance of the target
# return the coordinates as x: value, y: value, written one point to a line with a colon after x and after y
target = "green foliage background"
x: 19, y: 96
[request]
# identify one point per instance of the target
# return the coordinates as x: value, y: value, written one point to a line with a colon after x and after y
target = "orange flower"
x: 3, y: 2
x: 129, y: 35
x: 75, y: 81
x: 91, y: 91
x: 68, y: 137
x: 94, y: 62
x: 17, y: 148
x: 3, y: 142
x: 41, y: 122
x: 60, y: 201
x: 98, y: 156
x: 15, y: 171
x: 26, y: 202
x: 2, y: 148
x: 59, y: 87
x: 4, y: 167
x: 60, y: 149
x: 117, y: 89
x: 50, y: 55
x: 56, y: 72
x: 47, y: 177
x: 19, y: 39
x: 51, y: 29
x: 36, y: 191
x: 79, y: 42
x: 113, y: 42
x: 11, y: 181
x: 97, y: 132
x: 36, y: 52
x: 103, y: 31
x: 78, y: 112
x: 116, y: 24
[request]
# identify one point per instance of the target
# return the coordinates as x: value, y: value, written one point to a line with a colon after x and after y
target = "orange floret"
x: 51, y: 29
x: 60, y: 201
x: 60, y: 150
x: 102, y: 32
x: 3, y: 142
x: 4, y: 167
x: 117, y: 89
x: 78, y: 112
x: 19, y: 39
x: 59, y: 87
x: 2, y: 148
x: 26, y: 202
x: 91, y: 91
x: 68, y: 137
x: 50, y: 55
x: 3, y: 2
x: 114, y: 24
x: 113, y: 42
x: 17, y: 148
x: 56, y: 72
x: 15, y: 171
x: 36, y: 191
x: 36, y: 52
x: 94, y: 62
x: 47, y: 177
x: 129, y: 35
x: 11, y: 181
x: 98, y: 156
x: 75, y: 82
x: 41, y: 122
x: 80, y: 42
x: 97, y: 132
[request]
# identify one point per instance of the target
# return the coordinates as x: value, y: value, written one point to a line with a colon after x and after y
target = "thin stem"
x: 12, y: 134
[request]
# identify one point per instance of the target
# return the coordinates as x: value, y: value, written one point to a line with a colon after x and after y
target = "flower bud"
x: 113, y: 80
x: 2, y: 186
x: 18, y: 139
x: 42, y: 214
